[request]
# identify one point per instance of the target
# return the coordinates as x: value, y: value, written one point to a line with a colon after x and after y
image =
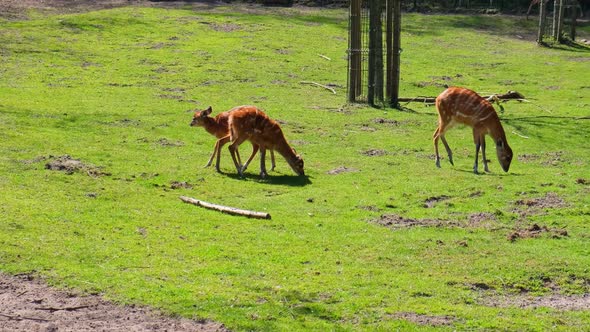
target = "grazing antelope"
x: 250, y: 123
x: 219, y: 128
x: 460, y: 105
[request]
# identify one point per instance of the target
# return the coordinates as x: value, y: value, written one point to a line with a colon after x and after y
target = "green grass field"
x: 391, y: 242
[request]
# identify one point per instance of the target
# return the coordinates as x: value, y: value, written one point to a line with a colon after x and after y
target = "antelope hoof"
x: 437, y: 162
x: 263, y: 175
x: 451, y: 160
x: 475, y: 171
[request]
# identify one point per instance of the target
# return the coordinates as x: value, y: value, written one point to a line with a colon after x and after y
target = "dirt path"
x: 28, y: 304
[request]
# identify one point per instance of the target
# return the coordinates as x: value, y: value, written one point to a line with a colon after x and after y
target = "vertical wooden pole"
x: 574, y: 22
x: 555, y: 21
x: 541, y: 22
x: 373, y: 19
x: 396, y: 52
x: 354, y: 47
x: 560, y: 21
x: 389, y: 48
x: 379, y: 52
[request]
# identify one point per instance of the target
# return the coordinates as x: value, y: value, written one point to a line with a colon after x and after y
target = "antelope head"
x: 200, y: 117
x: 504, y: 153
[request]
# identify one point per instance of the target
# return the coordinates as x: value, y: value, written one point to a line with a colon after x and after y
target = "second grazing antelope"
x: 250, y: 123
x: 218, y: 127
x: 462, y: 106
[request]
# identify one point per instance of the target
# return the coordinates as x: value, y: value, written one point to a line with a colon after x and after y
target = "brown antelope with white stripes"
x: 218, y: 127
x: 251, y: 123
x: 462, y: 106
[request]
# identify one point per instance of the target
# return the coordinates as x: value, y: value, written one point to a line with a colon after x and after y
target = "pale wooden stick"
x: 320, y: 85
x: 225, y: 209
x: 515, y: 133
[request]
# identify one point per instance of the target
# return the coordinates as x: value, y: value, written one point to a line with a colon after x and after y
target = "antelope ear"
x: 208, y: 110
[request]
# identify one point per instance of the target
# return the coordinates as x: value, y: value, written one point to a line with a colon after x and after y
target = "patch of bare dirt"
x: 387, y: 122
x: 374, y: 153
x: 395, y: 221
x: 550, y: 201
x: 531, y: 206
x: 430, y: 202
x: 553, y: 301
x: 123, y: 123
x: 482, y: 219
x: 422, y: 319
x: 225, y: 27
x: 437, y: 81
x: 481, y: 286
x: 180, y: 185
x: 371, y: 208
x: 28, y: 304
x: 169, y: 143
x: 342, y: 169
x: 70, y: 165
x: 535, y: 231
x: 525, y: 158
x: 34, y: 160
x: 17, y: 9
x: 546, y: 159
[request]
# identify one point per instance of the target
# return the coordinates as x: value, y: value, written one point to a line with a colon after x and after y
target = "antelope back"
x: 464, y: 106
x: 255, y: 125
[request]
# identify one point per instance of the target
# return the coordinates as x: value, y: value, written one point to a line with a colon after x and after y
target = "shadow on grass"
x: 569, y: 45
x: 573, y: 128
x: 282, y: 180
x: 493, y: 173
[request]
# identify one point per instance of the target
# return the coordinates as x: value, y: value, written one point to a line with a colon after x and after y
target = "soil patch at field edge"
x: 28, y: 304
x: 70, y: 165
x: 424, y: 319
x: 553, y: 301
x: 395, y: 221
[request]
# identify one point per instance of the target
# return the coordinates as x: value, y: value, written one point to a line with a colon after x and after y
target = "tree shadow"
x: 569, y: 45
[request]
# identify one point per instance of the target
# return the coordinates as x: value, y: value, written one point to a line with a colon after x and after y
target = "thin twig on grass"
x: 515, y: 133
x: 225, y: 209
x: 320, y: 85
x: 535, y: 104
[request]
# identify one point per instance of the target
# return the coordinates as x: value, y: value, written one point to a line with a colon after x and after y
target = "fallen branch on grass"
x: 225, y: 209
x: 320, y: 85
x: 515, y: 133
x: 510, y: 95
